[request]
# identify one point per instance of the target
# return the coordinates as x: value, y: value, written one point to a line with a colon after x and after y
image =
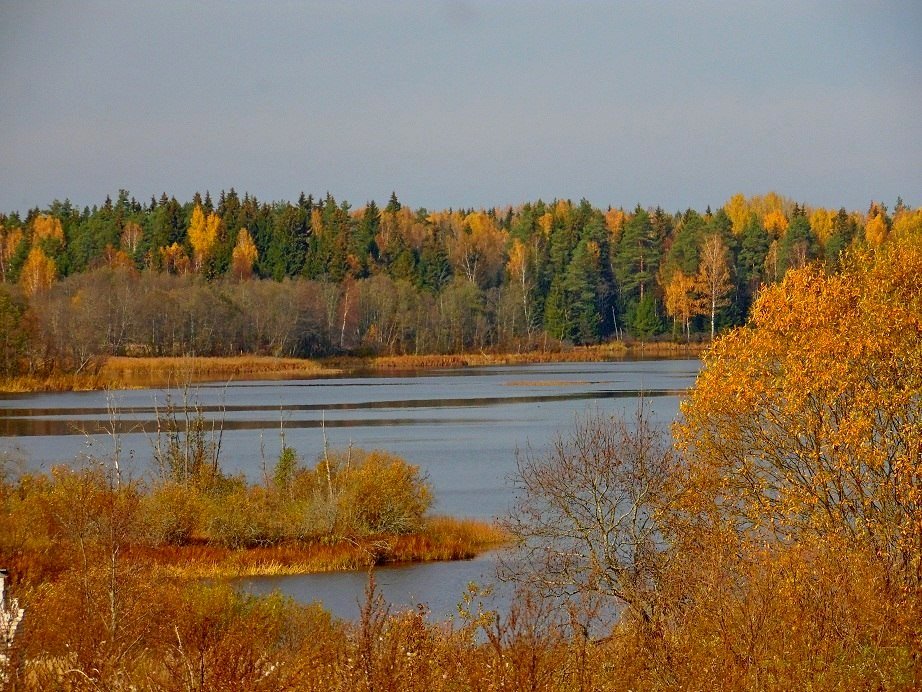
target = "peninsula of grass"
x: 438, y: 539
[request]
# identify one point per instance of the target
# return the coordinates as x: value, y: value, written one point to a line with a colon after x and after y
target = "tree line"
x: 316, y: 277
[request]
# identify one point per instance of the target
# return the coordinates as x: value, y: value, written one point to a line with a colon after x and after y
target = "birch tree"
x: 713, y: 281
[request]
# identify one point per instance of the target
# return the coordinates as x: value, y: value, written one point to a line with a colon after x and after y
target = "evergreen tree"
x: 798, y: 246
x: 643, y: 319
x: 683, y: 253
x: 556, y: 313
x: 844, y: 230
x: 750, y: 262
x: 434, y: 269
x: 284, y: 254
x: 581, y: 282
x: 637, y: 257
x: 364, y: 248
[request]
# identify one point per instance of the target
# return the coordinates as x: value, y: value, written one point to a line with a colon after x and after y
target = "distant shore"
x: 127, y: 372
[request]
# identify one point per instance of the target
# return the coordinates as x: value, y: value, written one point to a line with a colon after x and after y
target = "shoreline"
x: 133, y: 372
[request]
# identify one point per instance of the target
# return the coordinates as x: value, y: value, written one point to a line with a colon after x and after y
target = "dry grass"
x: 149, y: 371
x: 616, y: 350
x: 55, y: 382
x: 613, y: 351
x: 442, y: 538
x: 136, y: 372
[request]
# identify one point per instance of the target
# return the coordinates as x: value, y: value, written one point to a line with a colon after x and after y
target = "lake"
x: 461, y: 427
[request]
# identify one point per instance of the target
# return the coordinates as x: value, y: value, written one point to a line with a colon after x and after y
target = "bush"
x: 172, y: 513
x: 379, y: 493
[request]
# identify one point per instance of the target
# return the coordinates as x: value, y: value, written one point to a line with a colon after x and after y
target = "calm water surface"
x: 462, y: 427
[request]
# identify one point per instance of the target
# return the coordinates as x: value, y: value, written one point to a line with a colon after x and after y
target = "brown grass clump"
x: 150, y: 371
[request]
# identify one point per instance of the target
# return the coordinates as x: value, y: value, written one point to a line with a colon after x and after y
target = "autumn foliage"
x: 777, y: 546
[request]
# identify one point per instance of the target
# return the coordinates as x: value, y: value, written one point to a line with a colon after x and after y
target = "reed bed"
x: 56, y: 382
x: 149, y: 371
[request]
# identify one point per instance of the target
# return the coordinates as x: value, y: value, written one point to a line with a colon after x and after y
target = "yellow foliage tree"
x: 317, y: 222
x: 244, y: 255
x: 808, y: 421
x: 45, y: 226
x: 775, y: 223
x: 477, y: 250
x: 175, y: 260
x: 875, y: 230
x: 763, y: 205
x: 772, y: 205
x: 821, y: 221
x: 738, y: 209
x: 546, y: 222
x: 713, y: 282
x: 38, y: 272
x: 614, y: 221
x: 117, y: 259
x: 680, y: 299
x: 9, y: 241
x: 906, y: 224
x: 204, y: 232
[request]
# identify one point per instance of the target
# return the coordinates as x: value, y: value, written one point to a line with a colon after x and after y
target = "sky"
x: 462, y: 103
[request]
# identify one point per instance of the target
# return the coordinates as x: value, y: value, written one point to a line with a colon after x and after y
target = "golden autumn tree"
x: 821, y: 223
x: 244, y: 255
x: 546, y: 223
x: 175, y: 260
x: 771, y: 201
x: 680, y: 299
x: 519, y: 269
x: 906, y: 223
x: 875, y: 230
x: 204, y: 232
x: 9, y: 241
x: 808, y: 421
x: 713, y: 282
x: 775, y: 222
x: 614, y: 222
x: 38, y: 272
x: 45, y: 226
x: 117, y: 259
x: 738, y: 209
x: 476, y: 250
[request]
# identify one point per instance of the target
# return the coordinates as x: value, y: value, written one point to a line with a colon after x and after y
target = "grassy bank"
x: 123, y: 372
x: 440, y: 539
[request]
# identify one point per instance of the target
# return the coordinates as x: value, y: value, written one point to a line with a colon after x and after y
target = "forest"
x: 239, y: 276
x: 773, y: 541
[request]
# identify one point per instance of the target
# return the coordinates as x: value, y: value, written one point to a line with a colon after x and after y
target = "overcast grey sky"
x: 462, y: 103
